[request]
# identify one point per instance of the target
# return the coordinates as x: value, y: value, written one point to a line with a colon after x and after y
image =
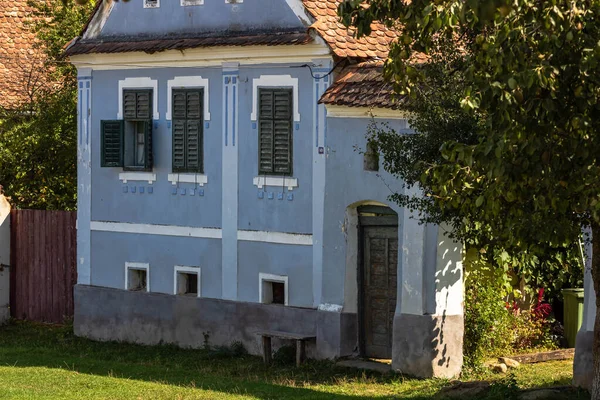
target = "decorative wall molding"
x: 137, y: 176
x: 275, y: 237
x: 274, y: 81
x: 151, y: 229
x: 334, y: 111
x: 330, y: 307
x: 186, y: 3
x: 199, y: 179
x: 187, y: 270
x: 203, y: 233
x: 188, y: 82
x: 275, y: 181
x: 139, y: 83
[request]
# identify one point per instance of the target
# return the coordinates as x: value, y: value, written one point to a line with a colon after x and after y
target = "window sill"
x: 137, y: 176
x: 261, y: 181
x: 199, y: 179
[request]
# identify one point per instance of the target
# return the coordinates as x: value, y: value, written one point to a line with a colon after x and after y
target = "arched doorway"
x: 377, y: 279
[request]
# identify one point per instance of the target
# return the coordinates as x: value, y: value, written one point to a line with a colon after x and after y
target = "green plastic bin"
x: 573, y: 313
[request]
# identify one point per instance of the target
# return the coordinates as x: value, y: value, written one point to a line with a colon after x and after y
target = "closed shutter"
x: 275, y: 131
x: 137, y: 104
x: 111, y: 143
x: 187, y: 131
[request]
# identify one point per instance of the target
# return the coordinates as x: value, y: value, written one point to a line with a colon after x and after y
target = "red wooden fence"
x: 43, y: 265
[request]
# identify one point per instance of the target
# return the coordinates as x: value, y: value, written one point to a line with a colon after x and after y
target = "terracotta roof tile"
x: 21, y: 64
x: 362, y: 85
x: 334, y: 33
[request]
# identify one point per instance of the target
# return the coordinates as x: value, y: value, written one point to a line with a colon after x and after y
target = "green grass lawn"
x: 48, y: 362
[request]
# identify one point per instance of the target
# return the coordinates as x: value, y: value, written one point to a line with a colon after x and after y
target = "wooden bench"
x: 300, y: 344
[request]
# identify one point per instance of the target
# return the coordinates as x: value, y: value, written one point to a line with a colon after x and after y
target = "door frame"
x: 386, y: 218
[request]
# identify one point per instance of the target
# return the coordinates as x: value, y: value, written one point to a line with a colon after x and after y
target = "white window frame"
x: 149, y: 6
x: 187, y: 270
x: 140, y: 267
x: 188, y: 82
x: 279, y: 81
x: 139, y: 83
x: 275, y: 181
x: 186, y: 177
x: 263, y: 278
x: 137, y: 177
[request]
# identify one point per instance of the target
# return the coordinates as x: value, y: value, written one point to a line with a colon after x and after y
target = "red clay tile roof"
x: 341, y: 39
x: 362, y: 85
x: 156, y: 45
x: 21, y: 65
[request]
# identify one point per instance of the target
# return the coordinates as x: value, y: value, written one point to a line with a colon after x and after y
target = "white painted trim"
x: 99, y: 20
x: 330, y: 307
x: 275, y: 237
x: 139, y: 83
x: 150, y: 229
x: 199, y: 179
x: 188, y: 270
x: 205, y: 57
x: 300, y: 11
x: 146, y: 5
x: 203, y: 233
x: 139, y: 266
x: 189, y: 3
x: 187, y: 82
x: 137, y: 176
x: 263, y: 277
x: 334, y: 111
x: 274, y: 81
x: 261, y: 181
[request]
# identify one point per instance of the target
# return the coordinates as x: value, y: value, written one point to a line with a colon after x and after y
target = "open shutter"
x: 193, y: 145
x: 178, y: 145
x: 149, y: 153
x: 275, y: 131
x: 112, y: 143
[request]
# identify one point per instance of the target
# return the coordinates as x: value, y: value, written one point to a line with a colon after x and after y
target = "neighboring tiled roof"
x: 20, y: 64
x: 156, y: 45
x: 341, y: 39
x: 362, y: 85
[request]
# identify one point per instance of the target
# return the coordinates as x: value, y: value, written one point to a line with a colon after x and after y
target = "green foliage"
x: 492, y: 329
x: 38, y: 140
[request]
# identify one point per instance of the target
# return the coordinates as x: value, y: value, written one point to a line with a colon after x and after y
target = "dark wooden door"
x: 380, y: 265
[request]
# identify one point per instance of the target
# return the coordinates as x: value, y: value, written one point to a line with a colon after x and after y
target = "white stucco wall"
x: 449, y: 291
x: 589, y: 309
x: 4, y: 258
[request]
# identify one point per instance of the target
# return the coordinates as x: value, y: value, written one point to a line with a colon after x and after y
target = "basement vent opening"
x: 137, y: 280
x: 187, y: 284
x: 273, y: 292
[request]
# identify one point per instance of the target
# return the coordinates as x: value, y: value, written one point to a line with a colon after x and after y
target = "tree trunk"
x: 596, y: 280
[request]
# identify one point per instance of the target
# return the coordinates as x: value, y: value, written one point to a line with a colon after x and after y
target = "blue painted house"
x: 221, y: 192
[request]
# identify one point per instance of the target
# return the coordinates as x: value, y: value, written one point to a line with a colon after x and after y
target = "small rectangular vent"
x: 151, y: 3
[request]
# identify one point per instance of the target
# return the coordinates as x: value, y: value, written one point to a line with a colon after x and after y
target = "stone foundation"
x: 428, y: 346
x: 153, y: 318
x: 583, y: 365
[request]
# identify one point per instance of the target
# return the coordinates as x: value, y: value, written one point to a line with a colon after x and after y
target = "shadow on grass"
x: 33, y: 345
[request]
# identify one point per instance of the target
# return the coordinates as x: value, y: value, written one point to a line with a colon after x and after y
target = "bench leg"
x: 267, y: 355
x: 300, y: 352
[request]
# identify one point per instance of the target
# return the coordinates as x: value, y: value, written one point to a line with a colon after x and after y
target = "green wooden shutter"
x: 112, y: 143
x: 129, y: 104
x: 275, y: 131
x: 178, y: 145
x: 149, y: 156
x: 144, y: 104
x: 187, y: 130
